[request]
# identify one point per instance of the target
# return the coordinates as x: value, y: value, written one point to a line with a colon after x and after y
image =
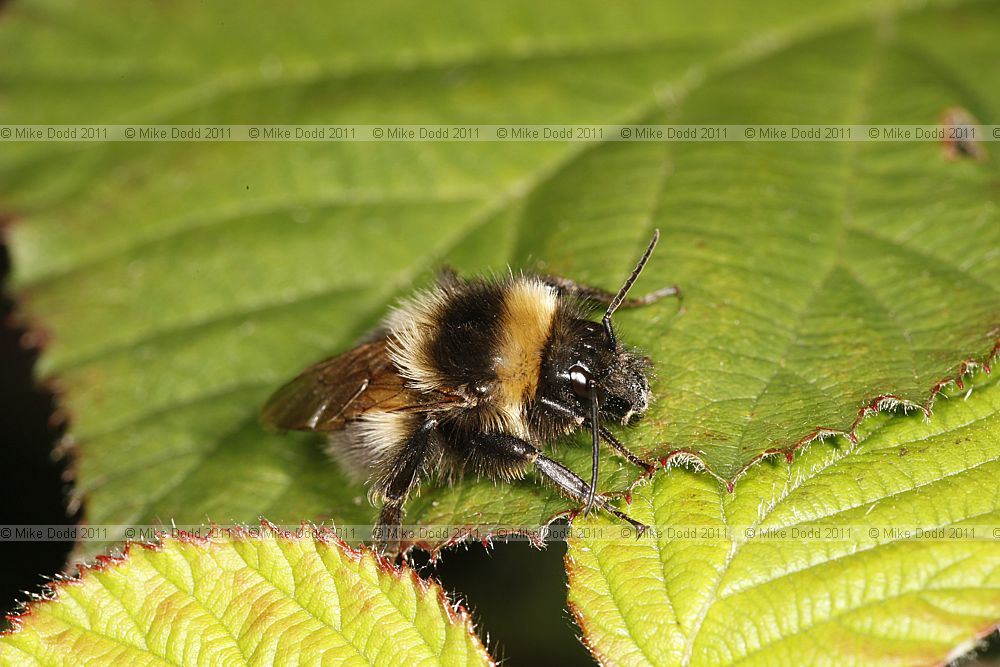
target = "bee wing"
x: 331, y: 393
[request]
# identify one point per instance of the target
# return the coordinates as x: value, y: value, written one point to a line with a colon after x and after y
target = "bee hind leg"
x: 404, y: 474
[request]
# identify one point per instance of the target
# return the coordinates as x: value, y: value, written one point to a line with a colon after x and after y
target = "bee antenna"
x: 623, y: 292
x: 596, y: 430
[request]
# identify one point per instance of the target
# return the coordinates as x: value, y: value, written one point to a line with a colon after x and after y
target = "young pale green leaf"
x: 244, y: 600
x: 184, y: 282
x: 809, y: 563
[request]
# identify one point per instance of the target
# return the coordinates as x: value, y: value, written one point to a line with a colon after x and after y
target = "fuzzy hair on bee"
x: 476, y: 375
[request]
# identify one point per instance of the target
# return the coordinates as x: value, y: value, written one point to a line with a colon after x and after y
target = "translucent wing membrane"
x: 331, y: 393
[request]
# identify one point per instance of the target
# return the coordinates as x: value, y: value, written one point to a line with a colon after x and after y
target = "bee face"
x: 626, y: 388
x: 585, y: 363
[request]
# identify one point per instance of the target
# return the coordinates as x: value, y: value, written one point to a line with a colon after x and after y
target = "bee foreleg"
x: 606, y: 435
x: 570, y: 288
x: 626, y: 452
x: 396, y: 486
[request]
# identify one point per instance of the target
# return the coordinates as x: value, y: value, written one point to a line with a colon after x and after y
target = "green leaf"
x: 243, y: 599
x: 184, y: 282
x: 796, y: 577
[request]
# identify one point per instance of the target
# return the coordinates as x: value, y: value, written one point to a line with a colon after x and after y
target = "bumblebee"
x: 476, y: 376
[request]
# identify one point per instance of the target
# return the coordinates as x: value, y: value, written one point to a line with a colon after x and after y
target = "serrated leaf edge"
x: 881, y: 403
x: 455, y: 613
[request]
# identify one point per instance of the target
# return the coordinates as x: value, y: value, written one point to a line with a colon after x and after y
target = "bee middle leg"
x: 500, y: 455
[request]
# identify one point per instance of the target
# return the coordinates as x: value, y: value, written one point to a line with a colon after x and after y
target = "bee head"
x: 589, y: 372
x: 593, y: 365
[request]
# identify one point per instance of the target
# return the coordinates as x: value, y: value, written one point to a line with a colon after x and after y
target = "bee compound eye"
x: 581, y: 380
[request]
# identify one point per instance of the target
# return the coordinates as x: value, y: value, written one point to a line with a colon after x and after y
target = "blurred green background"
x: 143, y: 259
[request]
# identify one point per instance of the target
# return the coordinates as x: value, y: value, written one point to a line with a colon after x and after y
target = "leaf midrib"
x: 865, y: 84
x: 798, y: 482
